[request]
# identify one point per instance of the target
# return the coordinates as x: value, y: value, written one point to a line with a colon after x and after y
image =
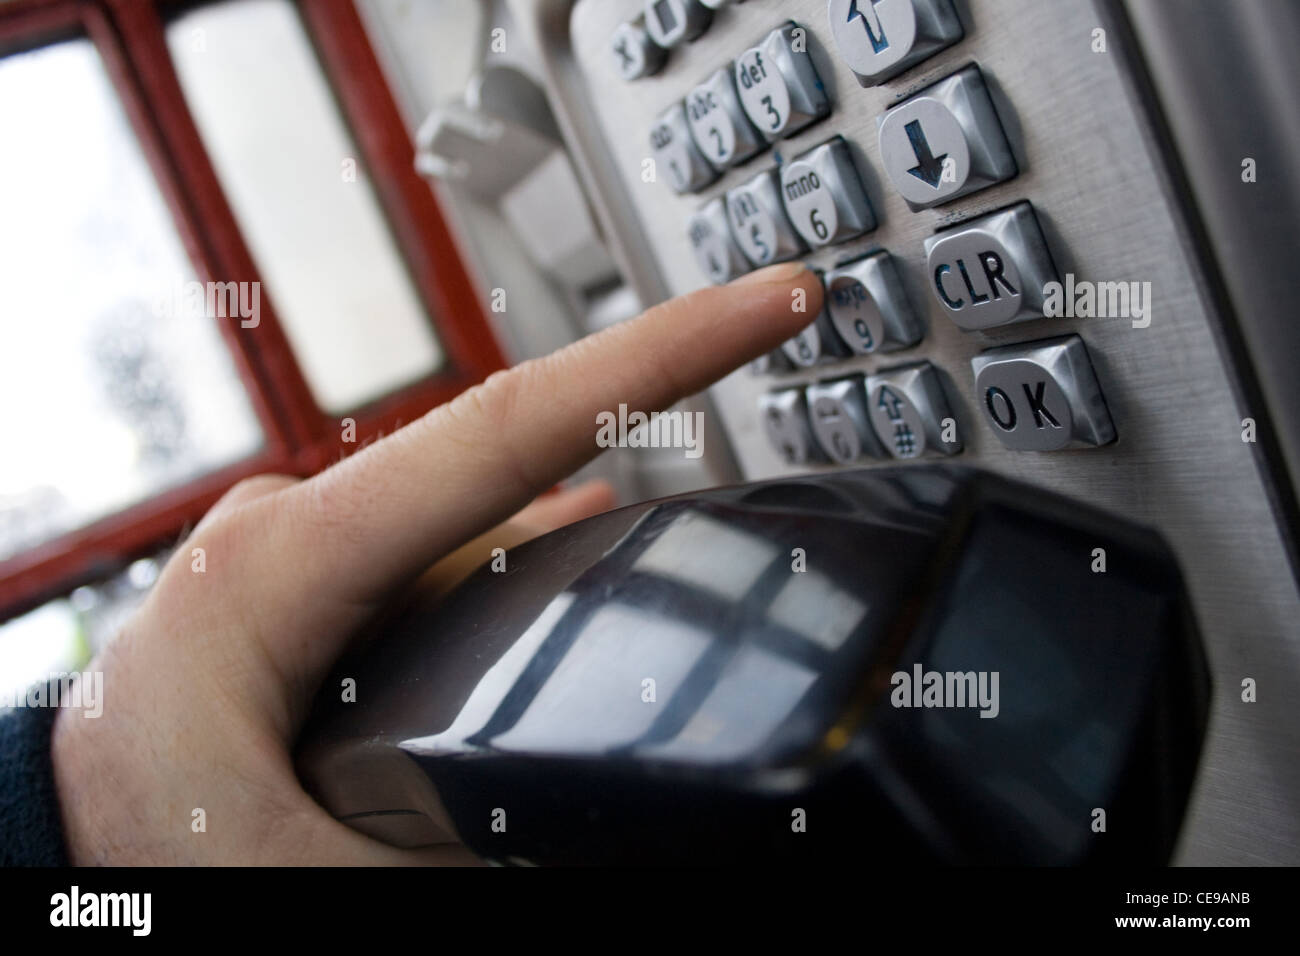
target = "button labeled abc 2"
x: 1042, y: 396
x: 721, y: 129
x: 991, y: 271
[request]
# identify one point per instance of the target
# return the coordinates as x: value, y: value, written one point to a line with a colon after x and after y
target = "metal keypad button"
x: 635, y: 54
x: 759, y: 223
x: 785, y: 419
x: 882, y: 38
x: 721, y: 128
x: 675, y: 151
x: 945, y: 142
x: 1042, y: 396
x: 717, y: 253
x: 817, y: 343
x: 778, y: 84
x: 992, y: 270
x: 824, y: 195
x: 837, y: 412
x: 909, y: 412
x: 868, y: 307
x: 671, y: 22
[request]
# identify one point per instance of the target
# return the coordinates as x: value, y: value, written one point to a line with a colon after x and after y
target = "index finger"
x: 373, y: 522
x: 389, y: 511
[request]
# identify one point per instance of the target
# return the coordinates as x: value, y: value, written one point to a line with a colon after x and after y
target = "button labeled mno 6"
x: 824, y: 195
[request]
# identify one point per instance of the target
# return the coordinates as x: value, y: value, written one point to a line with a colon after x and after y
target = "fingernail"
x: 781, y: 272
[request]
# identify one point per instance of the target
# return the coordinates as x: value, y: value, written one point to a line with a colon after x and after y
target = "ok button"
x: 1042, y: 396
x: 991, y: 271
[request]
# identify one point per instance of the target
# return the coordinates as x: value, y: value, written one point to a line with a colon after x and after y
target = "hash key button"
x: 909, y: 412
x: 1042, y: 396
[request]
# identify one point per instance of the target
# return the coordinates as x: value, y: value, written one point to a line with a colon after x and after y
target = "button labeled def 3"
x: 1042, y: 396
x: 778, y: 84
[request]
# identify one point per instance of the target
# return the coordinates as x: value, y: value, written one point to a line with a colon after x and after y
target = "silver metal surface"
x: 722, y: 130
x: 1091, y: 166
x: 758, y: 220
x: 675, y: 152
x: 778, y: 84
x: 909, y: 412
x: 945, y: 142
x: 824, y: 196
x: 635, y: 54
x: 868, y: 306
x: 719, y: 258
x: 882, y: 38
x: 1042, y: 396
x: 991, y: 271
x: 671, y: 22
x: 837, y: 411
x: 785, y: 420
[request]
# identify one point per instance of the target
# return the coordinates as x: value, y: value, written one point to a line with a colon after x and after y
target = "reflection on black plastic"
x: 721, y: 677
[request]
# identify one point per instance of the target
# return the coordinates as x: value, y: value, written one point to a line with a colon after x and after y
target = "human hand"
x: 208, y: 684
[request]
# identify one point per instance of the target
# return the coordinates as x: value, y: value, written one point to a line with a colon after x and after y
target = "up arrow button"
x: 879, y: 39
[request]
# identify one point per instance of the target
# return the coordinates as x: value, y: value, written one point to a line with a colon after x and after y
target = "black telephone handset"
x: 930, y: 661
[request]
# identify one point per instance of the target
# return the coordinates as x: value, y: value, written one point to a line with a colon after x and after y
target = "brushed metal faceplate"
x: 1088, y: 165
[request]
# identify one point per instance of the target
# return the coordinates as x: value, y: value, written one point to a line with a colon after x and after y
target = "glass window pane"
x: 300, y: 193
x: 113, y: 389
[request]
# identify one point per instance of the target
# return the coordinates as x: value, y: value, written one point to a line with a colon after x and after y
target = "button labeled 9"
x: 868, y: 307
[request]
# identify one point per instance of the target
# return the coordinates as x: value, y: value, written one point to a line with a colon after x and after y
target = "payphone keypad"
x: 936, y: 144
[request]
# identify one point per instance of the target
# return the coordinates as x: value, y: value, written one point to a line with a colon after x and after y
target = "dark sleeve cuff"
x: 31, y: 831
